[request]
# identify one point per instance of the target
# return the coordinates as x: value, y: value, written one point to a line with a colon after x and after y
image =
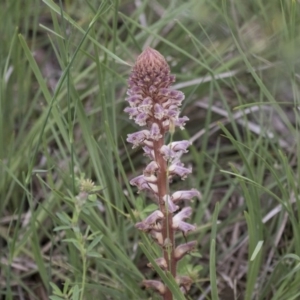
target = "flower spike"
x: 154, y: 105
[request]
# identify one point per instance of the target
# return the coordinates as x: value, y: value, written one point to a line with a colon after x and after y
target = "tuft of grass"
x: 63, y: 69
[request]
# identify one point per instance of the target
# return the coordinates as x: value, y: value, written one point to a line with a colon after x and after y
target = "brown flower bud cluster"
x: 155, y: 106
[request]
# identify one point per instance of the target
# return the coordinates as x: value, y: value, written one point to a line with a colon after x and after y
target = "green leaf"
x: 76, y: 292
x: 150, y: 208
x: 56, y: 289
x: 74, y: 242
x: 94, y: 254
x: 56, y: 298
x: 64, y: 217
x: 92, y: 197
x: 139, y: 203
x: 94, y: 243
x: 256, y: 250
x: 58, y: 228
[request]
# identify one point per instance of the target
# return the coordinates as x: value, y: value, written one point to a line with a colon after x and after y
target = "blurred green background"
x: 64, y: 67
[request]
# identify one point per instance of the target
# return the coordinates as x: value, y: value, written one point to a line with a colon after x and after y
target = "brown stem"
x: 167, y: 231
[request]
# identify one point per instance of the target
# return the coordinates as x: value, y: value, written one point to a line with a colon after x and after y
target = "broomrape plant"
x: 154, y: 105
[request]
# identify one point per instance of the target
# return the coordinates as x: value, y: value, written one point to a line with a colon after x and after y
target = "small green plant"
x: 85, y: 242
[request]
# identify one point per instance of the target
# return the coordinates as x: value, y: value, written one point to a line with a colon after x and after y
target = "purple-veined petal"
x: 154, y: 218
x: 149, y: 152
x: 185, y: 213
x: 146, y: 105
x: 135, y: 90
x: 141, y: 83
x: 164, y: 92
x: 167, y: 152
x: 173, y: 107
x: 151, y: 168
x: 180, y: 146
x: 152, y: 89
x: 148, y: 143
x: 138, y: 181
x: 171, y: 78
x: 153, y: 188
x: 170, y: 204
x: 150, y: 222
x: 155, y: 132
x: 157, y: 81
x: 171, y: 113
x: 177, y: 162
x: 132, y: 111
x: 131, y: 82
x: 167, y: 104
x: 155, y: 285
x: 173, y: 93
x: 158, y: 111
x: 178, y: 169
x: 183, y: 249
x: 176, y: 102
x: 134, y: 100
x: 157, y: 236
x: 177, y: 95
x: 150, y: 178
x: 138, y: 137
x: 185, y: 195
x: 161, y: 262
x: 142, y: 226
x: 141, y: 119
x: 184, y: 227
x: 178, y: 224
x: 180, y: 122
x: 174, y: 150
x: 145, y: 183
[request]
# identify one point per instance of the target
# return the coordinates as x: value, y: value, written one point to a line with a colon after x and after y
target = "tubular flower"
x: 183, y: 249
x: 155, y: 105
x: 155, y: 285
x: 184, y: 282
x: 178, y: 224
x: 185, y: 195
x: 150, y: 221
x: 161, y: 262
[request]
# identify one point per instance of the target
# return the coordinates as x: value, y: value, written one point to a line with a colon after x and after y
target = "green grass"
x: 64, y: 70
